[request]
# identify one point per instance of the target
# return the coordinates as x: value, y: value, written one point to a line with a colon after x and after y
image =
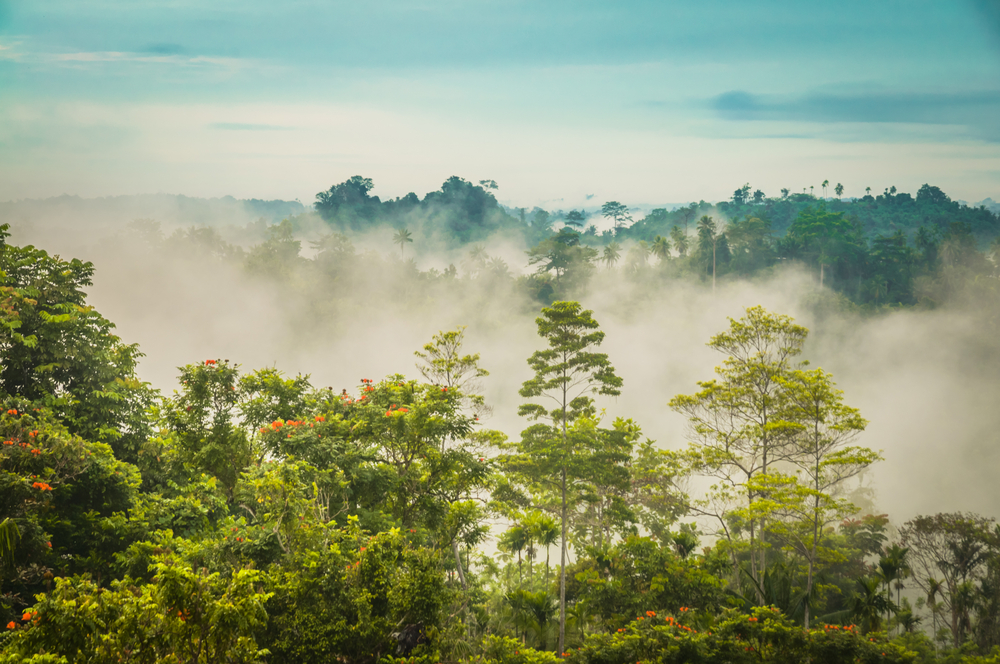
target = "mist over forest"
x: 899, y: 293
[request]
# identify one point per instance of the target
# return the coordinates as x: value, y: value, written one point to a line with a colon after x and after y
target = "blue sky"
x: 645, y: 102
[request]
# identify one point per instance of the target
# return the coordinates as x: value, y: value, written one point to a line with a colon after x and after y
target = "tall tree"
x: 738, y: 420
x: 680, y: 240
x: 617, y: 212
x: 661, y: 248
x: 575, y: 218
x: 566, y: 373
x: 402, y: 237
x: 708, y: 239
x: 612, y: 253
x: 825, y: 426
x: 839, y: 189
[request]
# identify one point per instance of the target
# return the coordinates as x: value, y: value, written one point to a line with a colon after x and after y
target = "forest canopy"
x: 252, y: 516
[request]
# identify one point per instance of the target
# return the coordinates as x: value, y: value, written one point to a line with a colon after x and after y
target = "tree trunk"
x: 458, y: 563
x: 562, y: 567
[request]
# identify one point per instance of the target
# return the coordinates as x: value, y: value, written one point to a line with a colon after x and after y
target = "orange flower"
x: 651, y: 614
x: 12, y: 625
x: 12, y: 411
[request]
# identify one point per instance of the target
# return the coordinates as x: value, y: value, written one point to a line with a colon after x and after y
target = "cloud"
x: 972, y: 107
x: 243, y: 126
x: 164, y: 49
x: 139, y: 57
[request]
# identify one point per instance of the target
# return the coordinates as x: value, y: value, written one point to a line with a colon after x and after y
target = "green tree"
x: 612, y: 253
x: 402, y: 237
x: 680, y: 240
x: 566, y: 372
x: 839, y: 189
x: 564, y: 255
x: 575, y: 218
x: 826, y: 426
x: 708, y: 241
x: 618, y: 213
x: 59, y: 352
x: 661, y: 248
x: 738, y: 421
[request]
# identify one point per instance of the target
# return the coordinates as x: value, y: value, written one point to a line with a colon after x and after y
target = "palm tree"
x: 9, y: 535
x: 543, y: 531
x: 680, y: 240
x: 661, y: 248
x: 637, y: 255
x: 892, y: 567
x: 868, y: 191
x: 840, y: 190
x: 826, y: 183
x: 868, y: 604
x: 811, y: 190
x: 612, y: 253
x: 401, y: 237
x: 934, y: 587
x: 707, y: 236
x: 514, y: 540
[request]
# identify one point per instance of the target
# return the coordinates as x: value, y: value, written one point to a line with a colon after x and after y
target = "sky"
x: 564, y: 103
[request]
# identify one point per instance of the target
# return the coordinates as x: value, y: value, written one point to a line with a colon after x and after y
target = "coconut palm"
x: 826, y: 183
x: 612, y: 253
x: 868, y: 604
x: 840, y: 190
x: 401, y: 237
x: 680, y: 240
x: 661, y: 248
x: 707, y: 237
x: 514, y: 540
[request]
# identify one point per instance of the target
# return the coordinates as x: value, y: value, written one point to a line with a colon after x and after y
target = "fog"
x: 926, y: 380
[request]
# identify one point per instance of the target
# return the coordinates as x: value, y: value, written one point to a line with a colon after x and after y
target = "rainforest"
x: 436, y: 429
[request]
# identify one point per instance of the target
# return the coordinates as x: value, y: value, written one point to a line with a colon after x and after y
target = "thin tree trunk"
x: 562, y: 553
x: 458, y: 563
x: 713, y: 266
x: 562, y: 565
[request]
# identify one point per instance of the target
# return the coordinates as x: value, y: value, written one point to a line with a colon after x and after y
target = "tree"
x: 824, y: 239
x: 57, y: 351
x: 612, y: 253
x: 661, y: 248
x: 402, y: 237
x: 680, y: 240
x: 617, y: 212
x: 708, y: 238
x: 738, y: 421
x: 825, y: 425
x: 957, y: 548
x: 839, y: 189
x: 565, y: 256
x: 566, y: 372
x: 349, y: 202
x: 825, y: 184
x: 443, y: 364
x: 575, y: 219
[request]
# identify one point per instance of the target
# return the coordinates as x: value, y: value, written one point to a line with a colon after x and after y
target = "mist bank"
x: 343, y: 307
